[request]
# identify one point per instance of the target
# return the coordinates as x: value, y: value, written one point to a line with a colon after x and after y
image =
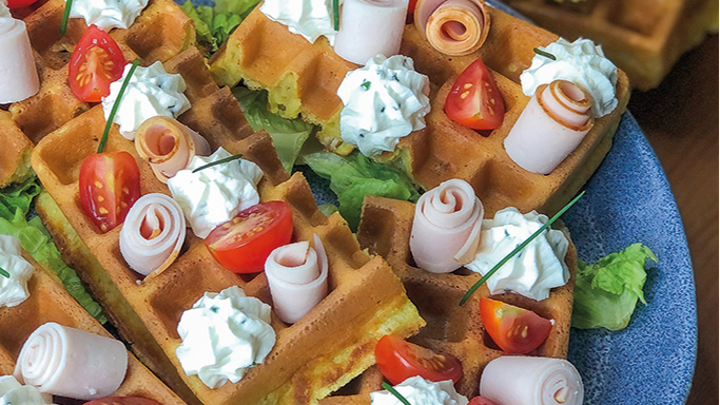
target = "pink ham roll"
x: 297, y: 275
x: 553, y: 124
x: 71, y: 363
x: 446, y: 228
x: 168, y: 145
x: 153, y: 233
x: 453, y: 27
x: 18, y: 73
x: 531, y: 381
x: 370, y: 28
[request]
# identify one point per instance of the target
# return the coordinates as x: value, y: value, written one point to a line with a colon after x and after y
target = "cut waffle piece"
x: 328, y: 347
x: 385, y: 229
x: 303, y: 78
x: 50, y: 302
x: 643, y: 37
x: 159, y: 33
x: 15, y: 153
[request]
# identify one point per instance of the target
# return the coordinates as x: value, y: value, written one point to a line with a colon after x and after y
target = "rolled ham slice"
x: 72, y: 363
x: 553, y: 124
x: 453, y: 27
x: 18, y: 73
x: 168, y: 145
x: 369, y: 28
x: 531, y: 381
x: 446, y: 228
x: 153, y: 233
x: 297, y: 275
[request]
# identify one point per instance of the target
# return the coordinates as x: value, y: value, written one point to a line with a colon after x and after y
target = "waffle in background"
x: 49, y: 302
x: 328, y: 347
x: 15, y: 153
x: 159, y: 33
x: 643, y: 37
x: 302, y: 78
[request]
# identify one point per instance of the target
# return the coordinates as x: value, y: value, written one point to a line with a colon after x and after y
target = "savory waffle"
x: 159, y: 33
x: 328, y: 347
x: 49, y: 302
x: 15, y: 153
x: 302, y: 78
x: 643, y: 37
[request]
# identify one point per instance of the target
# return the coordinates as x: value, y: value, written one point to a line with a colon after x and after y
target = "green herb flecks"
x: 545, y: 54
x: 517, y: 250
x: 116, y: 106
x: 397, y: 395
x: 218, y: 162
x: 65, y: 17
x: 4, y: 273
x: 365, y: 85
x: 336, y: 15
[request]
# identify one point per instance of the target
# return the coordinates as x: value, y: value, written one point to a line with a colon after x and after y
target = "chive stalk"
x: 4, y: 273
x: 116, y: 106
x: 545, y: 54
x: 336, y: 14
x: 518, y: 249
x: 65, y: 17
x: 397, y: 395
x: 218, y: 162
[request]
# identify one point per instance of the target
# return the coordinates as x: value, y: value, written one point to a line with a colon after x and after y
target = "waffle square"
x: 15, y: 153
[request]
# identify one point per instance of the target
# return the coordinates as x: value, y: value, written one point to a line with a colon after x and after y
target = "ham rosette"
x: 552, y: 125
x: 153, y: 233
x: 446, y: 228
x: 72, y: 363
x: 453, y: 27
x: 19, y: 77
x: 168, y: 145
x: 532, y: 381
x: 297, y: 275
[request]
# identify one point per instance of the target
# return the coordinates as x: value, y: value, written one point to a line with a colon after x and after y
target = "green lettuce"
x: 288, y: 135
x: 15, y: 203
x: 607, y: 291
x: 355, y: 176
x: 215, y: 24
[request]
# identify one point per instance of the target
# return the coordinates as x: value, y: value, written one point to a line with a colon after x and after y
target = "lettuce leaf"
x: 607, y: 291
x: 215, y: 24
x: 355, y: 176
x: 288, y: 135
x: 15, y: 203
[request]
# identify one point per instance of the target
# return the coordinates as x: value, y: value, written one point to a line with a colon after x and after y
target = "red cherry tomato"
x: 482, y: 401
x: 516, y: 330
x: 399, y: 360
x: 19, y: 3
x: 96, y: 62
x: 474, y: 100
x: 243, y: 244
x: 109, y: 186
x: 122, y: 401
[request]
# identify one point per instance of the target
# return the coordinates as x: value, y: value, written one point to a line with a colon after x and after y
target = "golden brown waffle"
x: 159, y: 33
x: 643, y: 37
x: 331, y: 345
x: 15, y: 153
x: 49, y: 302
x: 302, y: 78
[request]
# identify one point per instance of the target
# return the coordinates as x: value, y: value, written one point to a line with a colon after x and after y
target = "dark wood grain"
x: 680, y: 119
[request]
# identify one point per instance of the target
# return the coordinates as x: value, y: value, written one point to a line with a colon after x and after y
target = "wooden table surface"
x: 680, y: 119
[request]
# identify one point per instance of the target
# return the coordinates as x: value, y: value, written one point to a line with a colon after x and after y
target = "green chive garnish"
x: 365, y: 85
x: 395, y: 393
x: 518, y: 249
x: 545, y: 54
x: 115, y: 107
x: 4, y: 273
x: 336, y: 14
x: 218, y: 162
x: 65, y: 18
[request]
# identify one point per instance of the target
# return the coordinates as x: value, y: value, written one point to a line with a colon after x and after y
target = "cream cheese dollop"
x: 581, y: 62
x: 223, y: 335
x: 14, y: 393
x: 536, y: 269
x: 310, y: 18
x: 151, y: 92
x: 383, y: 101
x: 13, y: 289
x: 4, y: 10
x: 108, y: 14
x: 215, y: 195
x: 418, y: 391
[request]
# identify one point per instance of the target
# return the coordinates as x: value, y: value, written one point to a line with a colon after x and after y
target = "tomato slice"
x: 96, y: 62
x: 122, y: 401
x: 399, y: 360
x: 19, y: 3
x: 482, y: 401
x: 516, y: 330
x: 244, y: 243
x: 474, y: 100
x: 109, y: 186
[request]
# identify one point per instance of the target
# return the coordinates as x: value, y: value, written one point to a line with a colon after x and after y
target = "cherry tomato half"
x: 96, y: 62
x: 109, y: 186
x: 482, y: 401
x: 19, y: 3
x: 516, y: 330
x: 399, y: 360
x: 122, y: 401
x: 474, y: 100
x: 244, y: 243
